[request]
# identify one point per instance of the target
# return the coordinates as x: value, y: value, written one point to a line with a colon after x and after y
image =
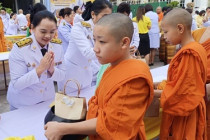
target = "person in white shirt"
x: 22, y: 21
x: 154, y: 35
x: 5, y: 18
x: 78, y: 14
x: 13, y: 25
x: 35, y: 63
x: 124, y: 8
x: 194, y: 25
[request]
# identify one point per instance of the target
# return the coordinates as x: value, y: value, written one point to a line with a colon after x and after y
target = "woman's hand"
x: 53, y: 131
x: 51, y: 68
x: 45, y: 63
x: 132, y: 50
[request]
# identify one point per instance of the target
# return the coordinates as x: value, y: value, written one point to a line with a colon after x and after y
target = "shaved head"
x: 119, y: 25
x: 158, y: 9
x: 178, y: 16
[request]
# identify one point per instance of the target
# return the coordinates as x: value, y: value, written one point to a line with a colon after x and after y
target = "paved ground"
x: 4, y: 106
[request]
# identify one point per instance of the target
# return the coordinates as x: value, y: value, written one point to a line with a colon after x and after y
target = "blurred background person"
x: 64, y: 29
x: 194, y: 25
x: 80, y: 59
x: 206, y: 21
x: 154, y: 35
x: 160, y: 13
x: 124, y: 8
x: 35, y: 9
x: 61, y: 16
x: 22, y: 22
x: 144, y: 24
x: 5, y: 18
x: 78, y: 14
x: 13, y: 25
x: 200, y: 18
x: 28, y: 19
x: 3, y: 47
x: 57, y: 16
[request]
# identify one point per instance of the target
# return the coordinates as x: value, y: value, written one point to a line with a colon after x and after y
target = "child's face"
x: 44, y: 32
x: 171, y: 33
x: 106, y: 47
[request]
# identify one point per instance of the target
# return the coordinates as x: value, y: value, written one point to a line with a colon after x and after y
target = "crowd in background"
x: 148, y: 25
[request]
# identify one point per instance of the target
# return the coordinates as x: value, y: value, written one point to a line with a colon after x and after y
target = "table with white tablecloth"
x: 30, y: 120
x: 4, y: 56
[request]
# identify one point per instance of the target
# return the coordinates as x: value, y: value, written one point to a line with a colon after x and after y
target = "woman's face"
x: 14, y: 16
x: 44, y: 32
x: 70, y: 18
x: 104, y: 12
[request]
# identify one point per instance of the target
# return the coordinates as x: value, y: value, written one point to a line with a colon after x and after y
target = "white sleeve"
x: 64, y: 31
x: 20, y: 77
x: 135, y: 38
x: 59, y: 72
x: 81, y: 41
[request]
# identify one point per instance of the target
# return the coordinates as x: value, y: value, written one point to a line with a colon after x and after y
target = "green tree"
x: 173, y: 4
x: 8, y: 10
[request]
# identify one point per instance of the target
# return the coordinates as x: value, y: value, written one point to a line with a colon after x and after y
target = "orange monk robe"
x: 197, y: 34
x: 182, y: 99
x: 120, y: 102
x: 160, y: 17
x: 3, y: 47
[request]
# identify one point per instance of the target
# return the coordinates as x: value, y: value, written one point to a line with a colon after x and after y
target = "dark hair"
x: 189, y: 10
x: 97, y: 6
x: 197, y: 12
x: 124, y: 7
x: 3, y: 9
x: 207, y: 8
x: 139, y: 13
x: 37, y: 7
x: 165, y: 8
x: 38, y: 17
x: 202, y: 12
x: 148, y: 7
x: 12, y: 14
x: 75, y: 8
x: 61, y: 13
x: 67, y: 11
x: 168, y: 10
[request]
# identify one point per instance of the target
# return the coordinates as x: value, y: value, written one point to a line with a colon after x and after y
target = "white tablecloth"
x: 30, y: 120
x: 4, y: 56
x: 159, y: 74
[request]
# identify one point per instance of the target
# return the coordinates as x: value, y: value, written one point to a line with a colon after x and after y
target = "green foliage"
x: 8, y: 10
x: 173, y: 4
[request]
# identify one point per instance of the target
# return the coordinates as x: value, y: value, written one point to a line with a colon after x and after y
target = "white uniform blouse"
x: 25, y: 87
x: 81, y: 62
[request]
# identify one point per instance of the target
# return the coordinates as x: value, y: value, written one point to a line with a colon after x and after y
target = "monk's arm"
x: 186, y: 90
x: 124, y: 111
x: 55, y: 129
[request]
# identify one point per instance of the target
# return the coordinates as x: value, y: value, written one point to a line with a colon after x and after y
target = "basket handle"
x: 76, y: 82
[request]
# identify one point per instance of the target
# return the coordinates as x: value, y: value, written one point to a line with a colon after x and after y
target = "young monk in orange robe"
x: 126, y: 90
x: 3, y: 47
x: 202, y: 36
x: 182, y: 100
